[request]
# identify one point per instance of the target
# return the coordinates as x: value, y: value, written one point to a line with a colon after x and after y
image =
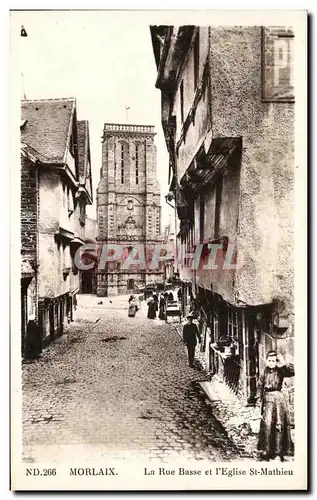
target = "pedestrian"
x: 190, y: 336
x: 156, y: 300
x: 179, y: 294
x: 132, y: 310
x: 274, y: 440
x: 162, y: 314
x: 151, y: 313
x: 33, y: 339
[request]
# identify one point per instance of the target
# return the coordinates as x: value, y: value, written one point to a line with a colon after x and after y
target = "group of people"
x: 159, y: 304
x: 274, y: 440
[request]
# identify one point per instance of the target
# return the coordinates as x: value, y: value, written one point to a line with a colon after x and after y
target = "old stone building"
x: 168, y: 239
x: 89, y: 276
x: 228, y: 119
x: 55, y: 189
x: 128, y: 204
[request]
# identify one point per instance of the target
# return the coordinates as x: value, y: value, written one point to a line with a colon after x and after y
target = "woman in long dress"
x: 274, y: 437
x: 162, y: 313
x: 151, y: 313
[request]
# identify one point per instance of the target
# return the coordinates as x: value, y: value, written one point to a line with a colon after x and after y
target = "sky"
x: 103, y: 60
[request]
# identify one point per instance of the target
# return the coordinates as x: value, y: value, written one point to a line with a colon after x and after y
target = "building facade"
x: 89, y: 276
x: 128, y: 205
x: 169, y: 239
x: 55, y: 189
x: 228, y: 119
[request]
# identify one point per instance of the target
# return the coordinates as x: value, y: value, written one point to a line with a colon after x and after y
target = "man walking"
x: 190, y: 335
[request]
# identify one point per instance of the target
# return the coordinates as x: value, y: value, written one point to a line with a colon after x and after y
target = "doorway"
x: 86, y: 281
x: 130, y: 284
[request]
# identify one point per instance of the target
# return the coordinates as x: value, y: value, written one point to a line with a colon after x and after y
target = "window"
x: 182, y: 101
x: 278, y: 63
x: 217, y: 207
x: 130, y: 205
x: 70, y: 202
x: 82, y: 214
x: 196, y: 59
x: 137, y: 164
x: 232, y: 323
x: 122, y: 164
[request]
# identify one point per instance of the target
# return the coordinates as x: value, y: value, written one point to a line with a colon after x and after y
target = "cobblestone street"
x: 115, y: 386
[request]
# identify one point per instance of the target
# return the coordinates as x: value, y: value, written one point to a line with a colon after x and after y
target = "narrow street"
x: 115, y: 386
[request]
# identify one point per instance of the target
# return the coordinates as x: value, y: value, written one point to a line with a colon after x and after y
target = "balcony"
x: 117, y: 127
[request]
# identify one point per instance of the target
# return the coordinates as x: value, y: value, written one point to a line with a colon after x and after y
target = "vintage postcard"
x: 158, y: 215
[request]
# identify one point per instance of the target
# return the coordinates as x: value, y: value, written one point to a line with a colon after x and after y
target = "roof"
x: 47, y: 125
x: 170, y: 46
x: 84, y: 155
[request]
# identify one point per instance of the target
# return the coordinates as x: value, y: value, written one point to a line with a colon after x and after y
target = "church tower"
x: 128, y: 203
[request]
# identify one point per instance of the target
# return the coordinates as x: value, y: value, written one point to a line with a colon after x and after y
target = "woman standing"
x: 151, y: 313
x: 274, y: 436
x: 132, y: 306
x: 155, y: 297
x: 162, y: 314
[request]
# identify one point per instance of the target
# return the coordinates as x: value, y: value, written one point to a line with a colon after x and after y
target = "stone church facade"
x: 128, y: 205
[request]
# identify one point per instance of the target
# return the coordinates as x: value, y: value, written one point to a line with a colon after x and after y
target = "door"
x: 86, y: 280
x: 24, y: 316
x: 51, y: 320
x: 61, y: 316
x: 130, y: 284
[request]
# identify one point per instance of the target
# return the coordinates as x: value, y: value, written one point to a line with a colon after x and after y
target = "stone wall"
x: 128, y: 198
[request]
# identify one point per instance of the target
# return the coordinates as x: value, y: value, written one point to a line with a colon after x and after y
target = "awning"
x: 206, y: 165
x: 64, y: 234
x: 77, y: 241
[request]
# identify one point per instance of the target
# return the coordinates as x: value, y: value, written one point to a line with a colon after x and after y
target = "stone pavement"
x: 115, y: 386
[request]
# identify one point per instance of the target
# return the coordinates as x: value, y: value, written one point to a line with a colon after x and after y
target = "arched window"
x: 122, y: 164
x: 137, y: 164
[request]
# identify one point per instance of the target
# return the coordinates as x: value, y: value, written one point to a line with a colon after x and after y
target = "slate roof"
x: 47, y: 126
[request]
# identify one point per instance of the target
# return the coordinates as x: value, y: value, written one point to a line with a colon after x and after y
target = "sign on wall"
x: 277, y: 64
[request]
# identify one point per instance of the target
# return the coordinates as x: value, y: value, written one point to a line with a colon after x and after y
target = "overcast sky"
x: 103, y: 60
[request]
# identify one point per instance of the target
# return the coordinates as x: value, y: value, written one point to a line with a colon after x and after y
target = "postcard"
x: 158, y: 215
